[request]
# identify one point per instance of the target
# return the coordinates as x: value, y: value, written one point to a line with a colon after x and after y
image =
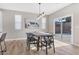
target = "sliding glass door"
x: 58, y: 29
x: 63, y: 28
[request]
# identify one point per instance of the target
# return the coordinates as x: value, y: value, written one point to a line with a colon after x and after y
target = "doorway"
x: 63, y: 28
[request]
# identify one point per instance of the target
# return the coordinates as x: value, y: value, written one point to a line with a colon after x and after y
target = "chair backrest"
x: 49, y: 37
x: 29, y: 35
x: 3, y: 36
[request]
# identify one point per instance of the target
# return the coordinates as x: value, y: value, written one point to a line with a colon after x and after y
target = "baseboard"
x: 15, y: 39
x: 76, y: 45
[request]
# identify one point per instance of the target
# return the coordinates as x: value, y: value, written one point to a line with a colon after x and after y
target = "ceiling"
x: 48, y: 8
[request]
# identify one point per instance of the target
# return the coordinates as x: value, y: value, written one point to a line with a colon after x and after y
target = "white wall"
x: 9, y: 23
x: 0, y: 21
x: 73, y: 9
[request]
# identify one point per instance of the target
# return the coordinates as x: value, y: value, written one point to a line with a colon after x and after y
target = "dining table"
x: 40, y: 35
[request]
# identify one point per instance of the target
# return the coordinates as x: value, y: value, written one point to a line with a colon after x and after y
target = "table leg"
x: 28, y: 44
x: 46, y: 48
x: 38, y: 44
x: 53, y: 45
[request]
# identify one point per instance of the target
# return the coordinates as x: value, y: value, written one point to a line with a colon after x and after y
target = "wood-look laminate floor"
x: 18, y: 47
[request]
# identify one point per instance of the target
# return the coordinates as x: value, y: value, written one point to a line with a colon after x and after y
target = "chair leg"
x: 5, y: 46
x: 28, y: 45
x: 53, y: 47
x: 49, y: 45
x: 1, y: 49
x: 38, y: 44
x: 41, y: 43
x: 46, y: 48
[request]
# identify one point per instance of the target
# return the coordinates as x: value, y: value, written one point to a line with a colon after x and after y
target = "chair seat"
x: 48, y: 41
x: 33, y: 42
x: 32, y: 39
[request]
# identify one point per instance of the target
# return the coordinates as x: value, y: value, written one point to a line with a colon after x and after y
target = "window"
x: 43, y: 23
x: 18, y: 22
x: 0, y: 21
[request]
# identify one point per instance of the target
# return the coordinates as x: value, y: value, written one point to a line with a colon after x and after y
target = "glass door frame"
x: 72, y: 28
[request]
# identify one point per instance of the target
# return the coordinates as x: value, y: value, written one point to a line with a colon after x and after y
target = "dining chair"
x: 31, y: 39
x: 2, y: 39
x: 48, y: 41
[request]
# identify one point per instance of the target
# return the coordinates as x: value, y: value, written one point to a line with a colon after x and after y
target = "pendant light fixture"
x: 40, y: 14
